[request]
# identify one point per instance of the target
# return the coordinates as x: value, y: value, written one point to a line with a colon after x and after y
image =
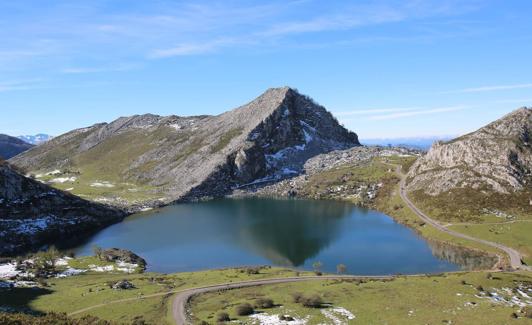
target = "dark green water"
x: 293, y: 233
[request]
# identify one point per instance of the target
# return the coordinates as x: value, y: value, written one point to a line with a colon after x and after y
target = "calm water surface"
x: 295, y: 233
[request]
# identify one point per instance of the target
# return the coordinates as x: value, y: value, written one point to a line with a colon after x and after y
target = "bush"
x: 244, y: 309
x: 253, y: 270
x: 313, y: 301
x: 264, y: 303
x: 223, y: 317
x: 297, y: 297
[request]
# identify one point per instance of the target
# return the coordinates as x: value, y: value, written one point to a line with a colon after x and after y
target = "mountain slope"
x: 32, y: 214
x: 497, y: 157
x: 11, y: 146
x: 148, y: 158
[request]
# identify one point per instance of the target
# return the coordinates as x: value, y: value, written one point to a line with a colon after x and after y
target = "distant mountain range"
x: 35, y: 139
x: 418, y: 143
x: 11, y: 146
x: 150, y: 159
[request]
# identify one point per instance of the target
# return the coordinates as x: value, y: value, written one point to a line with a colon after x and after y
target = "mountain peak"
x: 172, y: 158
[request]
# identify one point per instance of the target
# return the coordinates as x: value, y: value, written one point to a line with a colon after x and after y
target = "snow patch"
x: 8, y: 270
x: 338, y: 315
x: 102, y: 184
x: 267, y: 319
x: 63, y: 179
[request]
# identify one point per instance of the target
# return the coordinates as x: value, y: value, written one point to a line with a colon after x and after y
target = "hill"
x: 33, y: 214
x: 11, y: 146
x: 145, y: 160
x: 497, y: 157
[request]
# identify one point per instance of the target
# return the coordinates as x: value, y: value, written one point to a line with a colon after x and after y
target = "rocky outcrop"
x: 167, y: 159
x: 497, y: 157
x: 331, y: 176
x: 33, y: 214
x: 11, y: 146
x: 121, y: 255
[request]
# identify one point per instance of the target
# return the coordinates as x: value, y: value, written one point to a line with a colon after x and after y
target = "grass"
x: 443, y: 299
x: 77, y: 292
x: 517, y: 235
x: 226, y: 139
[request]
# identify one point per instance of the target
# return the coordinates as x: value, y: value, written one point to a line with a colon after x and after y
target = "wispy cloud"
x: 431, y: 111
x: 191, y: 48
x: 490, y: 88
x: 84, y: 70
x: 19, y: 85
x: 374, y: 111
x: 515, y: 101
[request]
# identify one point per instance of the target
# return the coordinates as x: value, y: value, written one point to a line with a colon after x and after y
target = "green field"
x: 77, y: 292
x: 444, y: 299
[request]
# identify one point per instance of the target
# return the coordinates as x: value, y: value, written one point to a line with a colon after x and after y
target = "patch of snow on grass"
x: 63, y: 179
x: 267, y: 319
x: 102, y: 184
x: 8, y: 270
x: 105, y: 268
x: 338, y: 315
x: 126, y: 267
x: 70, y: 272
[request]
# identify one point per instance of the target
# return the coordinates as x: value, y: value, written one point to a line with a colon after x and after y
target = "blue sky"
x: 386, y: 68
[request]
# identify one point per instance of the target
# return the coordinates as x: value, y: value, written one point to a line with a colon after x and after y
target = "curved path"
x: 515, y: 256
x: 179, y: 305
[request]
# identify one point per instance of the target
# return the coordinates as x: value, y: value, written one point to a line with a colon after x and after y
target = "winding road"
x: 515, y: 256
x: 179, y: 305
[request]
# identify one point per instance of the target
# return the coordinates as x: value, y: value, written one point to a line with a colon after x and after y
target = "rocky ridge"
x: 497, y: 157
x: 348, y: 187
x: 33, y: 214
x: 168, y: 159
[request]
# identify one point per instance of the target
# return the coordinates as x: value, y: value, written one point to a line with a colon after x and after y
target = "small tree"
x: 98, y: 251
x: 317, y: 267
x: 313, y: 301
x: 341, y: 268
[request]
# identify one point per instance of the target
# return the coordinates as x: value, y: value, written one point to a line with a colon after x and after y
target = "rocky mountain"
x: 32, y: 213
x: 496, y: 158
x: 35, y: 139
x: 11, y: 146
x: 145, y: 159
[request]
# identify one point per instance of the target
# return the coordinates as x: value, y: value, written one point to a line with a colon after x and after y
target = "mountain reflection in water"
x: 295, y: 233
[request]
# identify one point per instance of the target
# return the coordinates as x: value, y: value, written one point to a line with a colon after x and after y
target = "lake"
x: 292, y: 233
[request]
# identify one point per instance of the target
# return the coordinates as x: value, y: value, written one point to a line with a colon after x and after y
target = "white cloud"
x: 189, y: 49
x: 418, y: 112
x: 374, y: 111
x: 489, y: 88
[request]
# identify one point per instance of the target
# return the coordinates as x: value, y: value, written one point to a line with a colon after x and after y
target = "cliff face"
x: 497, y: 157
x: 11, y: 146
x: 32, y: 214
x: 164, y: 159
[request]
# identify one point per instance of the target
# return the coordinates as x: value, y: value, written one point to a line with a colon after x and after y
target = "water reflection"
x: 296, y: 233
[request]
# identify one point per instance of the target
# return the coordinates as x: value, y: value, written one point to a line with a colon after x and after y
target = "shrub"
x: 264, y: 303
x: 244, y: 309
x: 253, y: 270
x: 297, y: 297
x: 223, y: 317
x: 313, y: 301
